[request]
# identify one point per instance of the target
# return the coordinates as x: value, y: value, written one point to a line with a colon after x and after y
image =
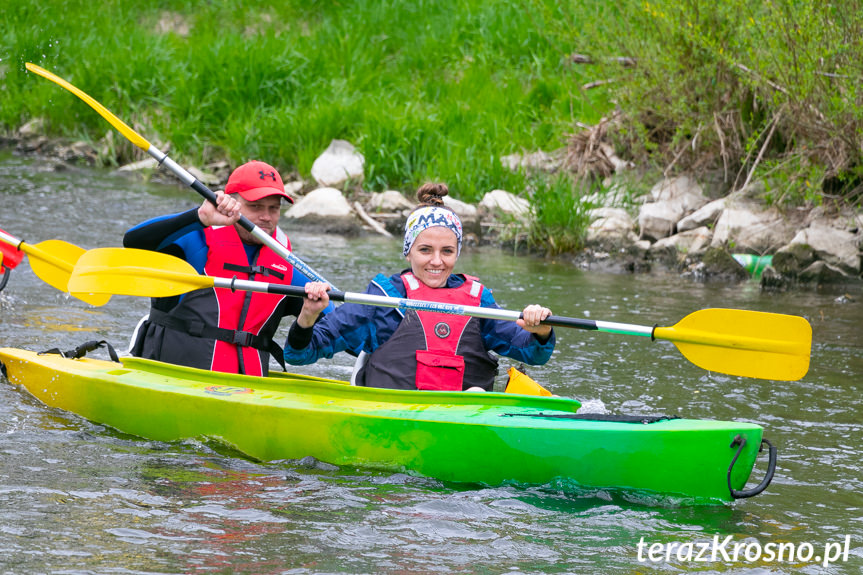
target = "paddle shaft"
x: 11, y: 240
x: 736, y: 342
x: 183, y: 174
x: 775, y: 356
x: 420, y: 305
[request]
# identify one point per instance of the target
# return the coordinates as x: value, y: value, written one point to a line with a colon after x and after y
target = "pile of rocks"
x: 678, y: 224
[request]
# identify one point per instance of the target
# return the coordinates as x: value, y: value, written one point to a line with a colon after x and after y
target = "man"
x: 221, y: 329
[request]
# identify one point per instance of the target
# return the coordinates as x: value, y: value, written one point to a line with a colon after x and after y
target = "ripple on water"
x: 76, y: 497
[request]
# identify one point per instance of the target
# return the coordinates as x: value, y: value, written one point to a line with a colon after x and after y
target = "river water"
x: 77, y: 497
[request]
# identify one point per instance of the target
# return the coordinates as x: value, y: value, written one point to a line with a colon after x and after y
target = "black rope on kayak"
x: 83, y: 349
x: 4, y: 277
x: 645, y: 419
x: 740, y: 442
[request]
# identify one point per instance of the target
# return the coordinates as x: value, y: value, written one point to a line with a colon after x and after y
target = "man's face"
x: 264, y: 213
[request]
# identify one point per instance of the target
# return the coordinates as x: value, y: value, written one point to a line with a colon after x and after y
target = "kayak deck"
x: 488, y: 438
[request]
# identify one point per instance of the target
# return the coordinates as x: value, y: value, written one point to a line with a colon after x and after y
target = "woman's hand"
x: 316, y: 300
x: 531, y: 316
x: 226, y: 212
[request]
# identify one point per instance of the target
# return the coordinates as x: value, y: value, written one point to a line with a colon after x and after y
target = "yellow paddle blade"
x: 53, y: 260
x: 745, y: 343
x: 125, y: 271
x: 131, y: 134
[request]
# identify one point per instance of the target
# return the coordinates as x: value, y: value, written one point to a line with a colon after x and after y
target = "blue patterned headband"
x: 427, y: 217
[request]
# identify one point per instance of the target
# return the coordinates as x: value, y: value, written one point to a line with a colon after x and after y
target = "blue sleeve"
x: 357, y: 327
x: 180, y: 235
x: 507, y: 338
x: 194, y: 245
x: 350, y: 327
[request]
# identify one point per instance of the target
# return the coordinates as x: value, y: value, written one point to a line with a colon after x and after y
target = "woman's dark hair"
x: 432, y: 194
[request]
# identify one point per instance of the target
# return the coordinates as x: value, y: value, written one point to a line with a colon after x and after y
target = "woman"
x: 421, y: 350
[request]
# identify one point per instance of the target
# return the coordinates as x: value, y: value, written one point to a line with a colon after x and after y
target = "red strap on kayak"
x: 12, y: 256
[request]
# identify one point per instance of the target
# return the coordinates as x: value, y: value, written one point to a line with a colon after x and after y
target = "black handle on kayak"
x: 4, y: 276
x: 768, y: 477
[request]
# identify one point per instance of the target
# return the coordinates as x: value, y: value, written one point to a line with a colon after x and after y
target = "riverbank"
x: 437, y: 89
x: 677, y: 226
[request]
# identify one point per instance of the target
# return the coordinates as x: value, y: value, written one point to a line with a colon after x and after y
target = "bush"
x: 757, y: 90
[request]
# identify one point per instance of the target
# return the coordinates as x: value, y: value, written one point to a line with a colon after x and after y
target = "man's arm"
x: 158, y: 233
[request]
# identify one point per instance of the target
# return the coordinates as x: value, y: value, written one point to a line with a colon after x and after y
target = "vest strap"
x: 233, y: 336
x: 251, y: 270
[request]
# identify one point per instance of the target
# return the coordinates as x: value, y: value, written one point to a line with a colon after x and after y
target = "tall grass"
x: 426, y: 90
x: 560, y: 219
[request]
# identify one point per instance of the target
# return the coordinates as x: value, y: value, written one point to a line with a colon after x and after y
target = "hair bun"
x: 432, y: 194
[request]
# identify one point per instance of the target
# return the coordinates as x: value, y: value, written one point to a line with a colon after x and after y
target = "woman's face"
x: 433, y: 256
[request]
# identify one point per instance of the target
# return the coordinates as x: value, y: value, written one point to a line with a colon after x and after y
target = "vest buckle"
x: 243, y: 338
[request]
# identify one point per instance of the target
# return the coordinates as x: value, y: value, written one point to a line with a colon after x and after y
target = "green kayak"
x: 485, y: 438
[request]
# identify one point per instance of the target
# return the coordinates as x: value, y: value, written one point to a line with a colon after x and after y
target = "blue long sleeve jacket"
x: 357, y: 327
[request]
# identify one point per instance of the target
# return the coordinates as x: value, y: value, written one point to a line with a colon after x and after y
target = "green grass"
x: 441, y: 90
x: 426, y: 90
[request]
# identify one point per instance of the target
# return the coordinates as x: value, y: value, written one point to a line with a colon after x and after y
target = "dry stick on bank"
x: 774, y: 123
x: 597, y: 84
x: 368, y: 219
x: 683, y: 149
x: 722, y: 151
x: 624, y: 61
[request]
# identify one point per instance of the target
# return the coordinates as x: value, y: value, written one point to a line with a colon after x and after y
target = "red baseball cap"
x: 255, y: 180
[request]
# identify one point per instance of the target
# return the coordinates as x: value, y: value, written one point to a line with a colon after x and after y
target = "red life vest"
x: 242, y: 310
x: 431, y: 350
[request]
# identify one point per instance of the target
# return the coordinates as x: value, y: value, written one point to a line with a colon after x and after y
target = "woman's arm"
x: 350, y: 327
x: 509, y: 339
